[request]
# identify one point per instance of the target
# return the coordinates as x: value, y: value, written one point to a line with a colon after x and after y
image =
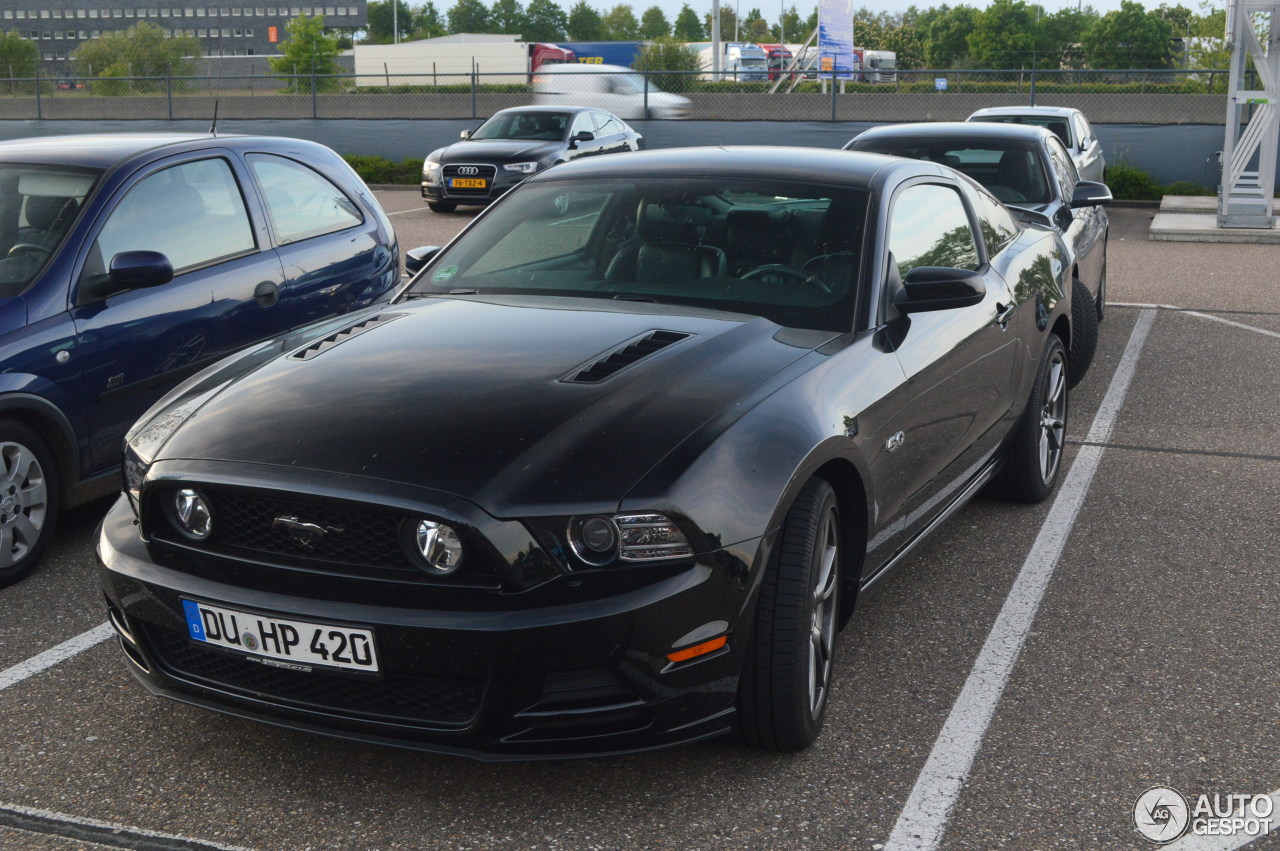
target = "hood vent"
x: 624, y: 356
x: 326, y: 343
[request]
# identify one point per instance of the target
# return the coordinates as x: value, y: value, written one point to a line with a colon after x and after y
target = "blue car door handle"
x: 266, y: 293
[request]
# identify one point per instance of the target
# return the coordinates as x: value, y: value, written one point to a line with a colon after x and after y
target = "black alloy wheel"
x: 1035, y: 452
x: 786, y: 679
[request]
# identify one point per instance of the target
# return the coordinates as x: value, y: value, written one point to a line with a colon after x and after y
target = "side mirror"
x: 1089, y: 193
x: 130, y: 270
x: 581, y: 136
x: 465, y: 134
x: 939, y: 288
x: 416, y: 258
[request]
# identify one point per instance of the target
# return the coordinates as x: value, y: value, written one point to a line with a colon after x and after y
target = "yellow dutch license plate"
x: 467, y: 183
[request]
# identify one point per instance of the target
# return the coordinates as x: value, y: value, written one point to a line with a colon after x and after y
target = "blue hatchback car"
x: 127, y: 263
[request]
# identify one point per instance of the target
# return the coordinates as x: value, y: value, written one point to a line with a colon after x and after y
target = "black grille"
x: 623, y: 356
x: 368, y: 537
x: 486, y: 172
x: 421, y: 700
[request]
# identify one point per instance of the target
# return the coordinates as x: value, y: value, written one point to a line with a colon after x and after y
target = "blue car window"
x: 37, y: 206
x: 300, y: 202
x: 192, y: 213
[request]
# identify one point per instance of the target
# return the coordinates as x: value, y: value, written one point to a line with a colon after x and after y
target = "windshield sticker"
x: 445, y: 274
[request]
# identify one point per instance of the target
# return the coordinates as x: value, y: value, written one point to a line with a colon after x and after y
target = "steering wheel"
x: 28, y: 246
x: 786, y: 273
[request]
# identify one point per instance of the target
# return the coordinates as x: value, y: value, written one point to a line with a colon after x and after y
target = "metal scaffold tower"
x: 1246, y: 196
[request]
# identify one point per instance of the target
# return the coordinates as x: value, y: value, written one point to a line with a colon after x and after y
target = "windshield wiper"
x: 649, y: 299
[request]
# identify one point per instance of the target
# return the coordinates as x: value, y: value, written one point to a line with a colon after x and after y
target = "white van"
x: 609, y: 87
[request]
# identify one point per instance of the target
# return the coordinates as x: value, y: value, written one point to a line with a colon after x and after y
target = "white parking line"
x: 924, y: 818
x: 99, y: 832
x: 401, y: 212
x: 54, y: 655
x: 1208, y: 316
x: 1226, y: 843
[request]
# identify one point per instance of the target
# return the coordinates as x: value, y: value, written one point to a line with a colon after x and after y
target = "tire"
x: 1034, y: 458
x: 786, y: 678
x: 442, y: 206
x: 1101, y: 301
x: 28, y: 500
x: 1084, y: 330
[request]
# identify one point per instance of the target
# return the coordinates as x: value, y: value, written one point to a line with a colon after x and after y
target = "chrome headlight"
x: 190, y: 514
x: 431, y: 171
x: 434, y: 546
x: 522, y: 168
x: 637, y: 537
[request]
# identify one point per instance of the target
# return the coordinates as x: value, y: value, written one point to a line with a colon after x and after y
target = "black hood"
x: 497, y: 151
x: 475, y: 397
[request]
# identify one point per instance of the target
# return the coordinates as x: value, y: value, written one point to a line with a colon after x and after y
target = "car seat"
x: 668, y: 247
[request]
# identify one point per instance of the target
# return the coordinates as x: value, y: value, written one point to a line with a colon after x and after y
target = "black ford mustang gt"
x: 1028, y: 169
x: 614, y: 469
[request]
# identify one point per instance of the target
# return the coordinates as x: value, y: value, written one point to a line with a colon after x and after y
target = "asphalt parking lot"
x: 1139, y: 649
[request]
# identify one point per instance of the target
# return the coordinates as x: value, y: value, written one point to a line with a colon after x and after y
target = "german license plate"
x: 281, y: 642
x: 466, y: 183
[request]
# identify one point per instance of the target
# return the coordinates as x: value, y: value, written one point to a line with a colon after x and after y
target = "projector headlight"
x: 638, y: 537
x: 523, y: 168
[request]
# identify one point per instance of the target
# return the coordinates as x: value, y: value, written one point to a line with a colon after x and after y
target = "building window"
x: 128, y: 13
x: 44, y: 13
x: 22, y: 16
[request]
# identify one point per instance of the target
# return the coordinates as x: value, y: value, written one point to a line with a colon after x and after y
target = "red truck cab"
x: 779, y: 58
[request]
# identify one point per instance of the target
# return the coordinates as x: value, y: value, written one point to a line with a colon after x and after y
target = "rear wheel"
x: 1084, y: 330
x: 786, y: 679
x: 1035, y: 451
x: 28, y: 500
x: 442, y: 206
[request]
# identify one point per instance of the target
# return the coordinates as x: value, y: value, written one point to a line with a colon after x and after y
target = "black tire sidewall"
x: 12, y: 431
x: 1021, y: 477
x: 1084, y: 332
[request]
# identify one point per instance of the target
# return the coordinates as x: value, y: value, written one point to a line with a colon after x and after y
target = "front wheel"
x: 1035, y: 449
x: 786, y: 679
x: 28, y: 500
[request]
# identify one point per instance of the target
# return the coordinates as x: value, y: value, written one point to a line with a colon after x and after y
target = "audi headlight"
x: 189, y: 512
x: 637, y: 537
x: 522, y: 168
x: 431, y: 170
x: 433, y: 546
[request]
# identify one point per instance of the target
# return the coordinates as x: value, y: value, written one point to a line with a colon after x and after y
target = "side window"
x: 1063, y: 169
x: 997, y: 224
x: 301, y: 203
x: 607, y: 124
x: 583, y: 123
x: 192, y: 213
x: 929, y: 227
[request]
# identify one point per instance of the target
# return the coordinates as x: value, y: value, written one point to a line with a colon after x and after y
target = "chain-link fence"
x: 1129, y: 97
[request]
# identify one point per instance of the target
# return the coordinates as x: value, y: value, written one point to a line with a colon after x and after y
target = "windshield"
x: 788, y: 252
x: 38, y: 203
x: 1011, y: 171
x: 1057, y: 125
x: 539, y: 126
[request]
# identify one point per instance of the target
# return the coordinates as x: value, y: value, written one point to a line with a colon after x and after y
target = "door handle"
x: 266, y: 293
x: 1004, y: 314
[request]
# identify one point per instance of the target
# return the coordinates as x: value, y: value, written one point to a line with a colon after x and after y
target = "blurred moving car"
x: 613, y: 88
x: 129, y: 262
x: 515, y: 143
x: 1069, y: 125
x: 611, y: 473
x: 1028, y: 169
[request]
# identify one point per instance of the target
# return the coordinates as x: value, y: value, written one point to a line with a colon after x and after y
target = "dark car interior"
x: 534, y: 126
x: 37, y: 207
x: 790, y: 254
x: 1013, y: 172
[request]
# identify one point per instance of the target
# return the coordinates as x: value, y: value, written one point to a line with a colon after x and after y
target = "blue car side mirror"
x: 131, y: 270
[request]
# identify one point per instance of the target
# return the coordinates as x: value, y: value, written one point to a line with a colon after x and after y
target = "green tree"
x: 654, y: 23
x: 755, y: 28
x: 1128, y: 38
x: 585, y: 23
x: 18, y: 56
x: 790, y: 26
x: 620, y: 24
x: 507, y: 16
x: 810, y: 24
x: 427, y: 23
x: 671, y: 55
x: 468, y: 16
x: 946, y: 42
x: 727, y: 20
x: 1004, y: 35
x: 384, y: 16
x: 143, y: 50
x: 688, y: 26
x: 545, y: 21
x: 905, y: 42
x: 1060, y: 37
x: 307, y: 50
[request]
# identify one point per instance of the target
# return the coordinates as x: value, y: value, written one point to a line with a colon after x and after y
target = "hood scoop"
x: 322, y: 345
x: 602, y: 367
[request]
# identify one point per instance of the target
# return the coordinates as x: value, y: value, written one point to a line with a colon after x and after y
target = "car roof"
x: 105, y: 150
x: 757, y: 162
x: 582, y: 68
x: 554, y: 110
x: 1047, y: 111
x: 959, y: 130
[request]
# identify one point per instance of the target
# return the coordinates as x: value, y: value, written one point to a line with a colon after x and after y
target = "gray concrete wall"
x: 1167, y: 153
